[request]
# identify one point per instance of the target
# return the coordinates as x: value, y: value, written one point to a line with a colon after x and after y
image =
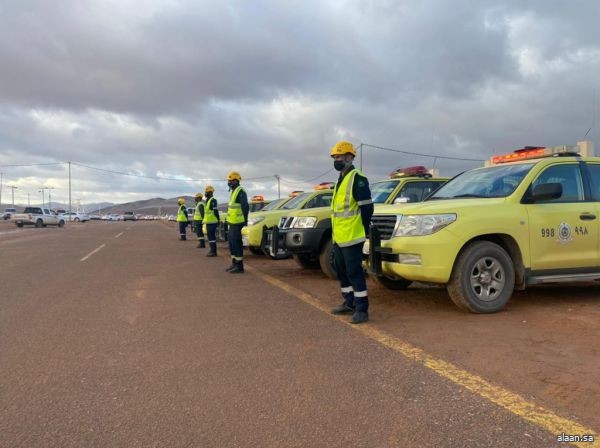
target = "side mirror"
x: 401, y: 200
x: 546, y: 192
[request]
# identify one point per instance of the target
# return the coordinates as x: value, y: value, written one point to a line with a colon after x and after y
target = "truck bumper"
x: 302, y: 241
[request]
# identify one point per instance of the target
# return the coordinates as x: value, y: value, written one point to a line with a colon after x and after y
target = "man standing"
x: 198, y: 217
x: 352, y: 209
x: 182, y: 219
x: 211, y: 219
x: 237, y: 217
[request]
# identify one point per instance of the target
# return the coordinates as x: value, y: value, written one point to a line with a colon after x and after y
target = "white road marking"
x: 92, y: 252
x: 128, y: 228
x: 119, y: 235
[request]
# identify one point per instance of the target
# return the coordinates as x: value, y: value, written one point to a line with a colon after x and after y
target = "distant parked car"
x: 172, y: 218
x: 129, y: 216
x: 115, y: 217
x: 8, y: 212
x: 75, y: 217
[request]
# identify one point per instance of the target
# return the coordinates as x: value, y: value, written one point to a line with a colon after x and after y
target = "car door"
x: 563, y: 232
x: 593, y: 171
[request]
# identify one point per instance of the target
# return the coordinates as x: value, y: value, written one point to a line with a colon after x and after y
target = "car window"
x: 321, y: 200
x: 569, y: 176
x: 594, y: 169
x: 380, y: 191
x: 417, y: 191
x: 295, y: 202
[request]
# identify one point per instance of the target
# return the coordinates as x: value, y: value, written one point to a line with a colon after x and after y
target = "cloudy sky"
x: 189, y: 89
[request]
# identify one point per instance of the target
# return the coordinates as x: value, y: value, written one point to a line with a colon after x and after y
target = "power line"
x: 420, y: 154
x: 296, y: 182
x: 34, y: 164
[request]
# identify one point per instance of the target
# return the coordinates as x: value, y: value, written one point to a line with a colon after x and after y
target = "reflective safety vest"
x: 181, y: 215
x: 197, y: 214
x: 209, y: 214
x: 234, y: 210
x: 346, y: 220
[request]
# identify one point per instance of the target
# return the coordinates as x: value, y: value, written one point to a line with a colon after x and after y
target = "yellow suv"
x: 528, y: 217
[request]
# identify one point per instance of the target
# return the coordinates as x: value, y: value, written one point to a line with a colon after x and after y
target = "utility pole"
x: 50, y: 196
x: 278, y: 186
x: 41, y: 190
x: 13, y: 194
x: 28, y: 201
x: 1, y: 174
x: 69, y: 190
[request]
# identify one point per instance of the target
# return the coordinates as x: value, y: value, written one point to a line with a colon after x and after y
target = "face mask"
x: 339, y: 165
x: 230, y: 185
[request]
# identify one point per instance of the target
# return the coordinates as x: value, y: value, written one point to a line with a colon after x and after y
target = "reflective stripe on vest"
x: 197, y: 214
x: 234, y: 210
x: 346, y: 220
x: 181, y: 215
x: 209, y: 213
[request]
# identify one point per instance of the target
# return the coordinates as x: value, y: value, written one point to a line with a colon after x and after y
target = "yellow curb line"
x: 510, y: 401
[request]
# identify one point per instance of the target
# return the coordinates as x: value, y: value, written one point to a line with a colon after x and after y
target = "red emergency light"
x: 410, y: 171
x: 295, y: 193
x: 325, y: 186
x: 258, y: 198
x: 528, y: 152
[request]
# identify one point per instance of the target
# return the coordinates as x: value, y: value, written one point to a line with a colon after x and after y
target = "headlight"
x: 417, y: 225
x: 304, y: 222
x: 255, y: 220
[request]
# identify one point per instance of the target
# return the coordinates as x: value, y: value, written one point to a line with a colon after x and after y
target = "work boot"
x: 211, y: 254
x: 238, y: 268
x: 199, y: 244
x: 342, y: 309
x: 202, y: 244
x: 213, y: 250
x: 182, y: 238
x: 231, y: 266
x: 359, y: 317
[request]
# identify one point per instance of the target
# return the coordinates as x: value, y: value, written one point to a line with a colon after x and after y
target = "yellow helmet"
x: 234, y: 175
x: 343, y: 147
x: 209, y: 189
x: 198, y: 196
x: 181, y: 201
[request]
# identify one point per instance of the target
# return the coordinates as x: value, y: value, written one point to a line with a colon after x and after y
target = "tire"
x: 483, y: 278
x: 39, y: 223
x: 19, y: 224
x: 306, y: 261
x: 61, y: 223
x: 326, y: 260
x: 76, y: 220
x: 398, y: 284
x: 255, y: 250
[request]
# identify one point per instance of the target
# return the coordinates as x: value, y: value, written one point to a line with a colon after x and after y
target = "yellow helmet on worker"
x: 234, y: 175
x: 343, y: 147
x: 209, y: 189
x: 181, y: 201
x: 198, y: 196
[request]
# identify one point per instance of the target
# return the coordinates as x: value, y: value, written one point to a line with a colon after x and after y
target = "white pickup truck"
x: 39, y: 217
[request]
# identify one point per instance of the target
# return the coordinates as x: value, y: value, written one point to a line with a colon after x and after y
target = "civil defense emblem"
x: 564, y: 233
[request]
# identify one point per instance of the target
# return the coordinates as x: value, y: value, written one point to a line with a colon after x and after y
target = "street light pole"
x: 278, y: 186
x: 13, y: 194
x: 50, y: 196
x: 41, y: 190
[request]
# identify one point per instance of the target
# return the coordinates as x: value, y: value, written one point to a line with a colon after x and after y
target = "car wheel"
x: 255, y: 250
x: 483, y: 278
x: 39, y: 223
x: 76, y: 220
x: 306, y: 261
x: 326, y: 260
x: 397, y: 284
x: 19, y: 224
x: 61, y: 223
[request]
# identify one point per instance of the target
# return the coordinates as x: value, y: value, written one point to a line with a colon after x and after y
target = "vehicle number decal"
x: 581, y: 230
x: 564, y: 233
x: 547, y: 232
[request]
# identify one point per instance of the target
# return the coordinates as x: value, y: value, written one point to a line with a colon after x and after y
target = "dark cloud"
x: 194, y: 89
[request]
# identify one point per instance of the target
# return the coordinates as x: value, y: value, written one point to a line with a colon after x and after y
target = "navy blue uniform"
x: 236, y: 247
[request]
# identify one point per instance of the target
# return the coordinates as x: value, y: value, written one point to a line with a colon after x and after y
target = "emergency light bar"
x: 295, y: 193
x: 419, y: 171
x: 258, y: 198
x: 535, y: 152
x: 325, y: 186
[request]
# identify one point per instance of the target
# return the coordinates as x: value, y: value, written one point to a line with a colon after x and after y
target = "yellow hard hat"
x: 181, y: 201
x: 209, y: 189
x: 234, y: 175
x: 343, y: 147
x: 198, y: 196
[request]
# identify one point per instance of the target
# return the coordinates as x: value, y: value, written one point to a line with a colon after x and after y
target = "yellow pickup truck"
x: 306, y: 233
x: 526, y: 218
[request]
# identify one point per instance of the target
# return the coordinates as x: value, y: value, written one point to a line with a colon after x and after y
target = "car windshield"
x: 275, y: 204
x: 380, y: 191
x: 490, y: 182
x: 296, y: 202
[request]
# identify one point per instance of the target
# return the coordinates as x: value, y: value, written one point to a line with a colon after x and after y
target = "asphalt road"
x: 118, y: 335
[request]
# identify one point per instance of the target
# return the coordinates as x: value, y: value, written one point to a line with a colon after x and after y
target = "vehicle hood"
x: 438, y: 206
x: 317, y: 211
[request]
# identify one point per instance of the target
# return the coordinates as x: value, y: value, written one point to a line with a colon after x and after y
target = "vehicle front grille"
x: 286, y: 222
x: 385, y: 224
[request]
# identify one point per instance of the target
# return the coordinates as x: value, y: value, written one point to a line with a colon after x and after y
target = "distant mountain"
x: 154, y: 206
